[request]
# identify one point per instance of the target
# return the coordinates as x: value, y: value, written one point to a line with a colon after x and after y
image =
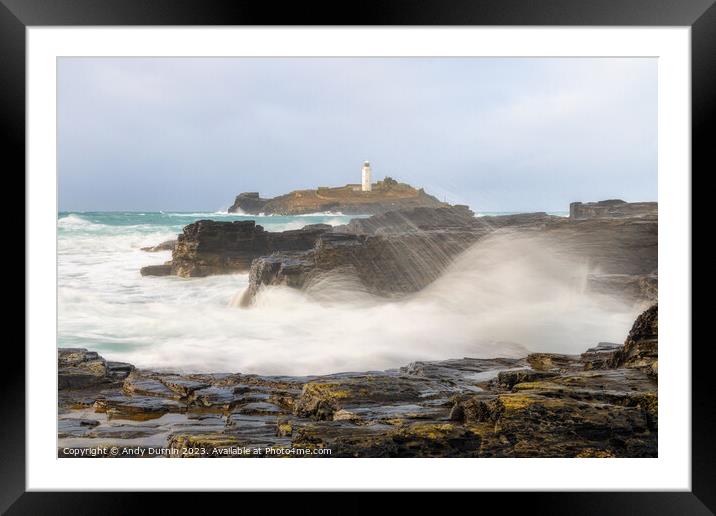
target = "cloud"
x: 498, y: 134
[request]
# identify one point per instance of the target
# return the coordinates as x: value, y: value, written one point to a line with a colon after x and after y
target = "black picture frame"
x: 17, y: 15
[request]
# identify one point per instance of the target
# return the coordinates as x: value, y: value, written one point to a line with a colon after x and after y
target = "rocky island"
x: 385, y: 195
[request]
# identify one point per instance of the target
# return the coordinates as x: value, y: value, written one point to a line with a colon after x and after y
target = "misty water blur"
x: 505, y: 295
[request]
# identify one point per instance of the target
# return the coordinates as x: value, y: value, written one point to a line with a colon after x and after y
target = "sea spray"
x: 508, y: 288
x: 504, y: 295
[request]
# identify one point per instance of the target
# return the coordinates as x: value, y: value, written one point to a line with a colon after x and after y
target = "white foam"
x: 503, y: 290
x: 203, y: 214
x: 74, y: 221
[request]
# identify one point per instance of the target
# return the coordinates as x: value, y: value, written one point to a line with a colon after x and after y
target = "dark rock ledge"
x: 396, y: 253
x: 600, y: 404
x: 209, y: 247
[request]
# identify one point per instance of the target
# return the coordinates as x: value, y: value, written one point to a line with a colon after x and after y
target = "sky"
x: 498, y: 134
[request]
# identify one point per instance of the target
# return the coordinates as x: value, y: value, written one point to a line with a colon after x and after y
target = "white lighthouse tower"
x: 366, y: 185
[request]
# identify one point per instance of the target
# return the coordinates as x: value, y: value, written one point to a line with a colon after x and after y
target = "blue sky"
x: 499, y: 134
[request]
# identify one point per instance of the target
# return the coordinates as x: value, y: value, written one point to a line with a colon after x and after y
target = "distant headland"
x: 352, y: 199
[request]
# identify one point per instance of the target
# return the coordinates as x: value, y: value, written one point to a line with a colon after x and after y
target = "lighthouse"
x: 366, y: 186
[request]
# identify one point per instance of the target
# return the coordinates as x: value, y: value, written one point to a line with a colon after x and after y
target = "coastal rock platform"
x: 602, y: 403
x: 208, y: 247
x: 401, y: 252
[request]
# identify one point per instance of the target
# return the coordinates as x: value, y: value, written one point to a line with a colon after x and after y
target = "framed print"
x: 412, y: 250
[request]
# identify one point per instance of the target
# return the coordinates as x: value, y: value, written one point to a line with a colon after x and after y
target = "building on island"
x: 366, y: 184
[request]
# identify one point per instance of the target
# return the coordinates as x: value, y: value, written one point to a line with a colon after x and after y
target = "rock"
x: 136, y: 384
x: 603, y: 403
x: 345, y: 415
x: 540, y: 426
x: 204, y: 445
x: 612, y: 411
x: 613, y: 208
x: 183, y: 387
x: 432, y: 439
x: 79, y: 357
x: 167, y: 245
x: 256, y: 432
x: 248, y: 202
x: 398, y: 252
x: 653, y: 371
x: 284, y: 429
x: 209, y: 247
x: 508, y: 379
x: 349, y: 199
x: 472, y: 408
x: 125, y: 431
x: 401, y: 252
x: 553, y: 362
x: 79, y: 368
x: 634, y: 287
x: 118, y: 371
x: 600, y: 357
x: 641, y: 345
x: 440, y: 218
x: 286, y: 268
x: 259, y: 408
x: 218, y: 397
x: 626, y: 246
x: 639, y: 351
x: 318, y: 401
x: 408, y: 220
x: 156, y: 270
x: 138, y: 408
x: 464, y: 374
x: 321, y: 400
x: 75, y: 427
x: 383, y: 265
x: 603, y: 386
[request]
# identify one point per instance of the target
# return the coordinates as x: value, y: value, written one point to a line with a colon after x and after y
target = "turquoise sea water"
x: 105, y: 304
x: 151, y: 222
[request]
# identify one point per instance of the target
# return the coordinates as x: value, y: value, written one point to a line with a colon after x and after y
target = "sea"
x: 497, y: 300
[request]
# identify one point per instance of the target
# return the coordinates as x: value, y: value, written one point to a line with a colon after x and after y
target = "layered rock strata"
x: 600, y: 404
x: 209, y: 247
x: 612, y: 208
x: 398, y: 253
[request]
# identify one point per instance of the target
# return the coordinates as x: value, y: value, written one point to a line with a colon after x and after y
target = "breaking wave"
x: 504, y: 296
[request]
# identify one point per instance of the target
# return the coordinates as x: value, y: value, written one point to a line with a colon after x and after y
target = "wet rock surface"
x: 640, y: 350
x: 416, y: 219
x: 209, y: 247
x: 78, y: 368
x: 167, y: 245
x: 633, y: 287
x: 445, y: 218
x: 383, y: 265
x: 602, y: 403
x: 164, y: 269
x: 398, y: 253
